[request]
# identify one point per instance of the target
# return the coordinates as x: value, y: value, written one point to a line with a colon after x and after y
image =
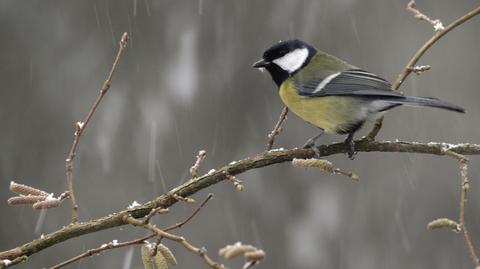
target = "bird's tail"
x: 427, y: 101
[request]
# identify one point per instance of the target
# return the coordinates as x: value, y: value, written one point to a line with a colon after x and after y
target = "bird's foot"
x: 310, y: 144
x: 350, y: 147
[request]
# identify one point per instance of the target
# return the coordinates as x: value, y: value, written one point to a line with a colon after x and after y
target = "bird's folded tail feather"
x: 426, y: 101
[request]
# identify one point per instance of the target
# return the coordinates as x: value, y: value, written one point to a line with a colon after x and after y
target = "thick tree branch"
x: 194, y: 185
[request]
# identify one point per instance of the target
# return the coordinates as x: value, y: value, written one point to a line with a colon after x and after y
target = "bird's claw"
x: 350, y: 147
x: 311, y: 145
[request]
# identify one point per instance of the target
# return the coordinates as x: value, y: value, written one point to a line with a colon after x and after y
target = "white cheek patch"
x: 293, y: 60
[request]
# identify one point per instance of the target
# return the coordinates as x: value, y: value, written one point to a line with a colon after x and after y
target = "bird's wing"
x: 349, y: 82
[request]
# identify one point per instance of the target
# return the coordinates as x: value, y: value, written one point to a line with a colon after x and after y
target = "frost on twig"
x: 133, y: 205
x: 437, y: 24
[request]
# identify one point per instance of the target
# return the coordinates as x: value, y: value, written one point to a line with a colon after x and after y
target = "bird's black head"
x: 285, y: 59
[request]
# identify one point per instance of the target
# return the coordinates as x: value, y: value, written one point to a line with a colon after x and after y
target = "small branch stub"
x: 418, y: 70
x: 183, y: 199
x: 202, y: 154
x: 237, y: 183
x: 437, y: 24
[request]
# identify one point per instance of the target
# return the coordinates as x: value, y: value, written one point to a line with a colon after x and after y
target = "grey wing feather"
x: 349, y: 82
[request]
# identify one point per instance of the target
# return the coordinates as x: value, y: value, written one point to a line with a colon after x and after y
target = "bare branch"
x: 111, y: 245
x: 155, y: 211
x: 202, y: 252
x: 407, y: 70
x: 437, y: 24
x: 463, y: 199
x: 278, y: 128
x: 141, y: 240
x: 200, y: 157
x: 195, y: 212
x: 202, y: 182
x: 237, y: 183
x: 82, y: 125
x: 418, y: 70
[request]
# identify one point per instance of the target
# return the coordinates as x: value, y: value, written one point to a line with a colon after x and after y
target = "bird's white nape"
x: 293, y: 60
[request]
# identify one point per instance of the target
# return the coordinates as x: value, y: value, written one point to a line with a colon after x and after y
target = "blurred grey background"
x: 185, y: 83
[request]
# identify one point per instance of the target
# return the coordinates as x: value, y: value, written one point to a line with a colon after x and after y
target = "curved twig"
x: 82, y: 125
x: 407, y: 70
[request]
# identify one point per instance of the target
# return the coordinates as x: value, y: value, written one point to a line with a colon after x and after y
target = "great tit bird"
x: 332, y: 94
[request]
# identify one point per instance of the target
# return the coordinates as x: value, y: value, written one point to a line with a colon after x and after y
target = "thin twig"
x: 418, y: 70
x: 141, y: 240
x: 202, y: 252
x: 463, y: 199
x: 439, y: 34
x: 462, y: 227
x: 155, y: 211
x: 82, y: 125
x: 437, y: 24
x: 202, y: 154
x: 104, y: 247
x: 180, y: 224
x: 407, y: 70
x: 237, y: 183
x: 278, y: 128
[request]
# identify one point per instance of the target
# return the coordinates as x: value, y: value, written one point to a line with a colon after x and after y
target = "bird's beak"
x: 260, y: 63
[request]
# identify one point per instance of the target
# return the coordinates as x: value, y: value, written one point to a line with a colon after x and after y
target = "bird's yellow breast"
x: 331, y: 113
